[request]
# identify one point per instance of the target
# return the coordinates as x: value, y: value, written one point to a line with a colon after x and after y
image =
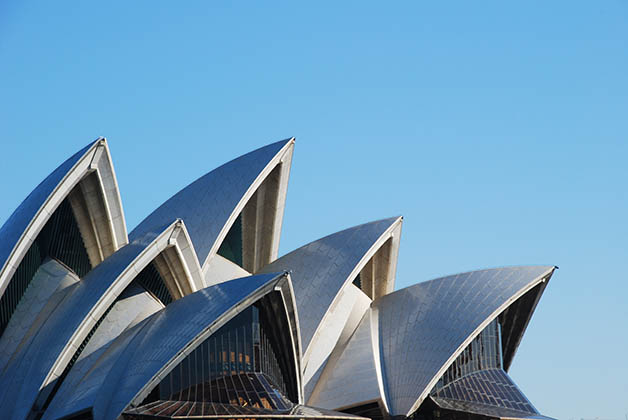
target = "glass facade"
x: 484, y: 352
x: 476, y: 383
x: 369, y: 410
x: 240, y: 364
x: 357, y: 282
x: 60, y: 239
x: 487, y: 387
x: 231, y: 247
x: 150, y: 279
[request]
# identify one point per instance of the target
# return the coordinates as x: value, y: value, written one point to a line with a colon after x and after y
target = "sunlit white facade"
x: 194, y: 315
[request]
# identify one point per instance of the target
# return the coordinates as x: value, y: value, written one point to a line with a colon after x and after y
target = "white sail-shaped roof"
x: 141, y: 356
x: 210, y: 205
x: 423, y: 328
x: 321, y: 269
x: 88, y: 180
x: 411, y: 336
x: 46, y: 351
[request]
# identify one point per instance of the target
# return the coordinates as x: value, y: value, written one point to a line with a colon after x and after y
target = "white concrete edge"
x: 199, y: 339
x: 394, y: 257
x: 158, y: 245
x: 370, y: 315
x: 184, y: 247
x: 244, y: 200
x: 282, y: 194
x: 329, y: 365
x: 356, y: 270
x: 94, y: 159
x: 377, y: 358
x: 542, y: 278
x: 287, y: 296
x: 58, y: 194
x: 111, y: 194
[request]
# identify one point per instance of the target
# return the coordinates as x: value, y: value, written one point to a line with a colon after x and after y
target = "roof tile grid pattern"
x: 320, y: 269
x: 491, y: 387
x: 423, y: 325
x: 133, y: 306
x: 88, y: 386
x: 142, y: 351
x: 489, y: 411
x: 19, y: 220
x: 50, y: 279
x: 27, y: 370
x: 185, y: 409
x: 206, y: 204
x: 352, y: 377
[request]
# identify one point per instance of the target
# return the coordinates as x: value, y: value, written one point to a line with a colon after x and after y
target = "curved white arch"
x: 262, y: 208
x: 142, y: 356
x: 91, y: 186
x: 37, y: 365
x: 282, y: 285
x: 449, y: 311
x: 540, y: 279
x: 446, y: 314
x: 173, y: 245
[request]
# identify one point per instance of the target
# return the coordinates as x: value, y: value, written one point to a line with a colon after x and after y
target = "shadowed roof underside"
x: 207, y: 205
x: 320, y: 269
x: 441, y: 316
x: 142, y: 355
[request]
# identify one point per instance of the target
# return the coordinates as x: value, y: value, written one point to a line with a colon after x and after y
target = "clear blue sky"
x: 498, y: 130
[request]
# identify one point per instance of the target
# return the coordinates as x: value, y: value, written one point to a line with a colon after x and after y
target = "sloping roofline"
x: 23, y: 226
x: 542, y: 278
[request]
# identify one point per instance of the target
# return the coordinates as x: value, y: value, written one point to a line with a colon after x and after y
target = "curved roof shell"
x: 352, y: 375
x: 437, y: 319
x: 97, y: 205
x: 45, y: 353
x: 321, y: 269
x: 101, y: 341
x: 488, y: 392
x: 210, y: 205
x: 47, y: 288
x: 140, y: 357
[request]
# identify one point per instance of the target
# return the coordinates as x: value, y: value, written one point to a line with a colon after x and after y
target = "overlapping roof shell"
x: 100, y: 342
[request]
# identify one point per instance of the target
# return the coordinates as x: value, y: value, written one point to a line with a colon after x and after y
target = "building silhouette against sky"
x: 193, y: 315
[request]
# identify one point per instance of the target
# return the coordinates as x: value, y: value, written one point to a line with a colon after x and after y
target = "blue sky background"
x: 498, y: 130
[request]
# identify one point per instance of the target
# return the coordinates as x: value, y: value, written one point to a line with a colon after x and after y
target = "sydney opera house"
x: 193, y: 315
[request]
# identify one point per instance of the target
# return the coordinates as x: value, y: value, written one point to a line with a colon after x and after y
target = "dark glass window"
x: 60, y: 239
x: 240, y: 364
x: 477, y: 377
x: 231, y: 247
x: 150, y: 279
x: 484, y: 352
x: 357, y: 282
x: 369, y: 410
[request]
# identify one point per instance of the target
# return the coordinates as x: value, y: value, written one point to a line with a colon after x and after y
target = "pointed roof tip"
x: 388, y: 221
x: 380, y: 227
x: 278, y: 143
x: 218, y: 192
x: 274, y: 149
x: 544, y: 270
x: 391, y: 220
